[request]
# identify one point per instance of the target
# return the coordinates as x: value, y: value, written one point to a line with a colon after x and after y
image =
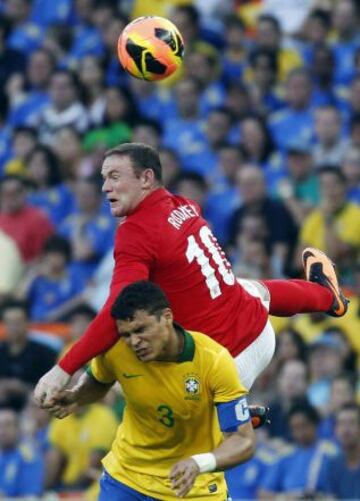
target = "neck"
x: 174, y: 347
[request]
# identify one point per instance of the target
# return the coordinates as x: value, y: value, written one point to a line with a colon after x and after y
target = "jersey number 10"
x: 195, y: 250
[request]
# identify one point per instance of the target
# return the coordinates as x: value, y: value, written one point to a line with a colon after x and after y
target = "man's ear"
x: 148, y: 178
x: 168, y: 315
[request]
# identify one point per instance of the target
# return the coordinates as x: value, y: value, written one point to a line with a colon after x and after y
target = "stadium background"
x: 261, y: 127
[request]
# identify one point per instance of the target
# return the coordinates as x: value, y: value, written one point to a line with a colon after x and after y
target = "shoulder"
x: 206, y: 343
x: 27, y: 452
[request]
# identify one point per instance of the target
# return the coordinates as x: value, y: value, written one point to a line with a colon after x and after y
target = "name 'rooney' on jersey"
x: 181, y: 214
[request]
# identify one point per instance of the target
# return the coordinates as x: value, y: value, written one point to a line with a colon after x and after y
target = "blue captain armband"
x: 233, y: 414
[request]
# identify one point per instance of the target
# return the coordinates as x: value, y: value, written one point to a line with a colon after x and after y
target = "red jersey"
x: 166, y: 240
x: 30, y: 227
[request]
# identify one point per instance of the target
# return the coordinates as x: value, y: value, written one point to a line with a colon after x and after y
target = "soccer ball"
x: 150, y: 48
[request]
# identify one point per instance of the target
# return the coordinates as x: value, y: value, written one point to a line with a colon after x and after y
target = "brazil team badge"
x: 192, y: 387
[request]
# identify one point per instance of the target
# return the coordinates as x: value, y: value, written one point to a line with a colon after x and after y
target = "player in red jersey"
x: 163, y: 238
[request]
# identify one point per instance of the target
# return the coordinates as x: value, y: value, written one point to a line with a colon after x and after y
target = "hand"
x: 50, y: 385
x: 182, y: 476
x: 63, y: 404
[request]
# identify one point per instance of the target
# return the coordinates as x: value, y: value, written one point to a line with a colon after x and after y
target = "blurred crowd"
x: 261, y: 127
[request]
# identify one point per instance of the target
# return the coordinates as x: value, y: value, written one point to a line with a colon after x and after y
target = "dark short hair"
x: 58, y: 244
x: 142, y: 157
x: 303, y: 407
x: 192, y: 177
x: 268, y: 18
x: 335, y: 171
x: 321, y: 15
x: 15, y: 304
x: 81, y: 309
x: 142, y: 295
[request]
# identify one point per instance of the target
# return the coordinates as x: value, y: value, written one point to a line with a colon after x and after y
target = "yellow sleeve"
x: 101, y: 370
x: 105, y: 431
x: 56, y: 435
x: 224, y: 379
x: 307, y: 230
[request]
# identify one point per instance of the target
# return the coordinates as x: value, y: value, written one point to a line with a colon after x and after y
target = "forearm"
x: 88, y: 390
x: 99, y: 337
x: 235, y: 449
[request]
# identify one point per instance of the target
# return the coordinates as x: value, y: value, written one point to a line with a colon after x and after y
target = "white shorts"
x: 257, y: 356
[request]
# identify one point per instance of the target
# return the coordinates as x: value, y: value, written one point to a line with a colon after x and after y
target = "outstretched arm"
x: 87, y: 391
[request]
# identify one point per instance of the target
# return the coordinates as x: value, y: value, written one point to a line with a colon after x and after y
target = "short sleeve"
x: 224, y: 379
x: 101, y: 371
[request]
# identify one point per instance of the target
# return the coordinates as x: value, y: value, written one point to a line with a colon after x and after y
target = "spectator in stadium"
x: 342, y: 474
x: 256, y: 140
x: 11, y: 266
x: 330, y: 147
x: 171, y: 164
x: 88, y: 229
x: 64, y: 108
x: 22, y: 360
x: 251, y: 258
x: 345, y: 22
x: 334, y: 227
x: 295, y: 121
x: 54, y: 283
x: 316, y: 32
x: 147, y: 132
x: 184, y: 132
x: 191, y: 185
x: 342, y: 392
x: 31, y: 94
x: 238, y: 100
x: 300, y: 472
x: 291, y: 384
x: 24, y: 139
x: 91, y: 76
x: 298, y: 186
x: 290, y: 346
x: 12, y: 61
x: 90, y: 432
x: 263, y: 81
x: 279, y: 223
x: 74, y: 163
x: 203, y: 65
x: 354, y: 96
x: 27, y: 225
x: 269, y: 36
x: 325, y: 362
x: 114, y: 72
x: 354, y: 132
x: 350, y: 167
x: 25, y: 36
x: 325, y: 92
x: 223, y: 195
x: 22, y: 466
x: 116, y: 124
x: 48, y: 192
x: 233, y: 60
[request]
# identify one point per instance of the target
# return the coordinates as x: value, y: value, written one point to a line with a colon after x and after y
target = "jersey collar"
x: 188, y: 352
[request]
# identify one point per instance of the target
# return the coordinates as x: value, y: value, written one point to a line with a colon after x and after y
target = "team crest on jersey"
x: 192, y: 387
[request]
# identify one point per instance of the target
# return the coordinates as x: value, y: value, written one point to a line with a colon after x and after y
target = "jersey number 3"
x: 195, y: 250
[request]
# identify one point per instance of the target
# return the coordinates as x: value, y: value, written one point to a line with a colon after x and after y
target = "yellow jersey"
x: 78, y: 435
x: 347, y: 226
x: 170, y: 413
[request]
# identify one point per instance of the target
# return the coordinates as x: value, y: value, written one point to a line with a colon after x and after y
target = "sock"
x: 288, y: 297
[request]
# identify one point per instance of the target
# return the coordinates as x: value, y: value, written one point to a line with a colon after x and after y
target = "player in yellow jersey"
x: 186, y: 417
